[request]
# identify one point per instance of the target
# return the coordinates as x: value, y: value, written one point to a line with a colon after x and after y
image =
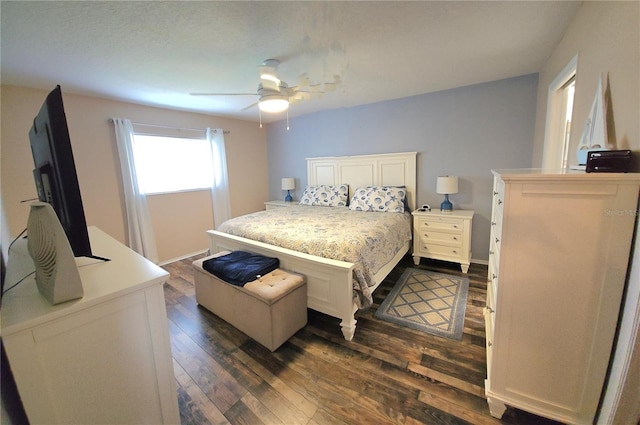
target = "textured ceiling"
x: 157, y: 52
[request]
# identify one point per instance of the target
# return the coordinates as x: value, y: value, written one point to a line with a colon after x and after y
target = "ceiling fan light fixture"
x: 272, y: 78
x: 273, y: 103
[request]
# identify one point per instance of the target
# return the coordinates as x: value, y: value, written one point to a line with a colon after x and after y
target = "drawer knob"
x: 455, y: 238
x: 499, y: 201
x: 497, y: 240
x: 454, y: 251
x: 455, y: 226
x: 493, y: 276
x: 495, y: 193
x: 493, y: 223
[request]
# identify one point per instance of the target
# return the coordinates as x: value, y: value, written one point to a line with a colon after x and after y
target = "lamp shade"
x: 288, y: 183
x: 447, y: 185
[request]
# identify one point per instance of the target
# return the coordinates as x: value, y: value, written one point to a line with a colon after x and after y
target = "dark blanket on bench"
x: 240, y: 267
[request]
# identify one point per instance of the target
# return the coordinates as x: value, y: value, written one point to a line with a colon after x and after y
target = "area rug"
x: 428, y: 301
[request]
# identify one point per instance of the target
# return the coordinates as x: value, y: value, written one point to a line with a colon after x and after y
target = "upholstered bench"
x: 269, y: 309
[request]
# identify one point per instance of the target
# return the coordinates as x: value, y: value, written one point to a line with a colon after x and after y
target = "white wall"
x: 465, y: 132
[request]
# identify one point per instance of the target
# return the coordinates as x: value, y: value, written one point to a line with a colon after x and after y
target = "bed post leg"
x: 348, y: 326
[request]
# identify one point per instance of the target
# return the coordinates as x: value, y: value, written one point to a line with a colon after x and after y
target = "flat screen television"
x: 55, y: 171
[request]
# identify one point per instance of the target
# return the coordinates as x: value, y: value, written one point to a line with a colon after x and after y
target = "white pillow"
x: 379, y: 199
x: 326, y: 196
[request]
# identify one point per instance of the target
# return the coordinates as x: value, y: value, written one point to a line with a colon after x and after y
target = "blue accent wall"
x: 467, y: 131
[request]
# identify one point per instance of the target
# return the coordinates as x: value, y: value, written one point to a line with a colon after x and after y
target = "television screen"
x: 55, y: 171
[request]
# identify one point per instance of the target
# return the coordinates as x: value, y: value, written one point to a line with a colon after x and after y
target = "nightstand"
x: 443, y: 236
x: 269, y: 205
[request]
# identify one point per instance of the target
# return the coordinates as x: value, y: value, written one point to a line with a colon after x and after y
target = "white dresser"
x: 558, y: 259
x: 443, y: 236
x: 102, y: 359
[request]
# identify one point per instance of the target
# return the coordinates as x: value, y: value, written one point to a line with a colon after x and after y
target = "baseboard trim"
x: 483, y: 262
x: 173, y: 260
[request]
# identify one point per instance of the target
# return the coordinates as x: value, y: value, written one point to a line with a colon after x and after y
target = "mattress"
x: 369, y: 240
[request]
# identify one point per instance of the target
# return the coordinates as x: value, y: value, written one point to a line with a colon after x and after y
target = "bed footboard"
x: 329, y: 282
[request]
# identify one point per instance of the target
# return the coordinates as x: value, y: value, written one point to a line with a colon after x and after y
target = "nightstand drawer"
x: 441, y: 223
x: 429, y: 237
x: 441, y: 251
x: 269, y: 205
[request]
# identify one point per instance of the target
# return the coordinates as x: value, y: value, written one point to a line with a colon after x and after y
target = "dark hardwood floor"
x: 387, y: 374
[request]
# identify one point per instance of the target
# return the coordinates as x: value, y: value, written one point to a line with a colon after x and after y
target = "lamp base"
x: 288, y: 198
x: 446, y: 205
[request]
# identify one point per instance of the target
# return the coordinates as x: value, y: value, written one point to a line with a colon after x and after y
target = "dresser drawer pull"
x: 455, y: 238
x: 493, y: 276
x: 493, y: 223
x: 499, y: 201
x: 497, y: 240
x: 490, y: 309
x: 454, y: 251
x: 495, y: 193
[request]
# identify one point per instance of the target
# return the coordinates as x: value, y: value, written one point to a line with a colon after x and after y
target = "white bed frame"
x: 329, y: 282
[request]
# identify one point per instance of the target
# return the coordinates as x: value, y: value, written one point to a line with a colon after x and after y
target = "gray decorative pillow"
x: 326, y: 196
x: 379, y: 199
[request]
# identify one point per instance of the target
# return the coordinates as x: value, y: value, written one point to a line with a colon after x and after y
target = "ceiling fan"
x: 274, y: 95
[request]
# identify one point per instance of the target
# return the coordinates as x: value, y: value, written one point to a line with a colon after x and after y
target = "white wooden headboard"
x: 391, y: 169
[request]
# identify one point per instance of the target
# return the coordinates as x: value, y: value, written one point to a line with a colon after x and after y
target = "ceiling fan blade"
x: 303, y: 81
x: 297, y: 99
x: 223, y: 94
x: 250, y: 106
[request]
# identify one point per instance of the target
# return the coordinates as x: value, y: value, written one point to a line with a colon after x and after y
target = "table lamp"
x: 446, y: 186
x: 288, y: 184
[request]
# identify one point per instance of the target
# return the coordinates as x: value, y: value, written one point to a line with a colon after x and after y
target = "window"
x: 559, y: 112
x: 567, y: 92
x: 172, y: 164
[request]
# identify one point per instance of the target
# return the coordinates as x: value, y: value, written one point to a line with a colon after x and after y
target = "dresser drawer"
x: 488, y: 324
x: 498, y: 196
x: 491, y: 295
x: 494, y: 245
x: 441, y: 223
x: 492, y: 276
x: 496, y: 220
x: 438, y: 237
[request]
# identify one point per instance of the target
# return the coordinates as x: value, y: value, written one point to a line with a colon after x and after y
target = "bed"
x: 338, y: 284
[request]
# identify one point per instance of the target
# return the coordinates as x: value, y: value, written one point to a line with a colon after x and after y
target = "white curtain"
x: 220, y: 187
x: 140, y: 231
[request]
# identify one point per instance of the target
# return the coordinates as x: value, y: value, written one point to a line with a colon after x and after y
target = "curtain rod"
x: 171, y: 128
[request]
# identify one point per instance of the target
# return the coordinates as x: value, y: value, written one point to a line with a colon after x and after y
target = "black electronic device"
x: 55, y: 171
x: 613, y: 161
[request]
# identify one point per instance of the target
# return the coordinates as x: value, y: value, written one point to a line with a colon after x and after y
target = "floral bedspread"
x: 369, y: 240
